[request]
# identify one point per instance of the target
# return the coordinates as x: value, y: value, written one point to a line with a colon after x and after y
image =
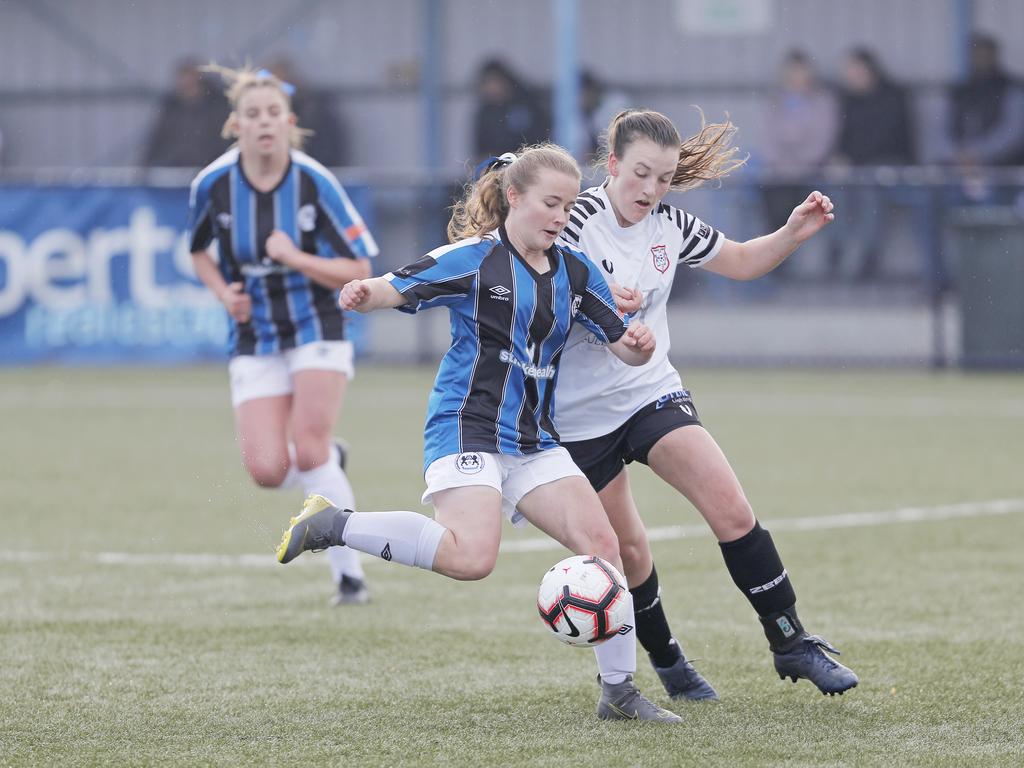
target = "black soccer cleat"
x: 351, y: 591
x: 808, y: 660
x: 342, y: 447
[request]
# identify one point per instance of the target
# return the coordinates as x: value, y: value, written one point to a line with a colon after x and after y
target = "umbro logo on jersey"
x: 625, y: 629
x: 386, y: 552
x: 500, y: 292
x: 660, y: 254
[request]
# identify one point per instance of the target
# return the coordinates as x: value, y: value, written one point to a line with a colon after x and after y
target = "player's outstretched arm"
x: 636, y: 345
x: 368, y: 295
x: 757, y: 257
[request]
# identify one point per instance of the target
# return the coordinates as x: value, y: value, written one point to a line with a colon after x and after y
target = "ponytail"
x: 705, y: 156
x: 484, y: 205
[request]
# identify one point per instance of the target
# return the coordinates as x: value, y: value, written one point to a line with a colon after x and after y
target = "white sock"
x: 616, y: 657
x: 405, y: 537
x: 330, y: 481
x: 294, y: 475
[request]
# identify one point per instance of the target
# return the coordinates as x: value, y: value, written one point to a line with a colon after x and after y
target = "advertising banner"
x: 103, y: 275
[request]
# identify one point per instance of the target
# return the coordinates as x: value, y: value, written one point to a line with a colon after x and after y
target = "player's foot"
x: 351, y: 591
x: 682, y: 681
x: 342, y: 447
x: 809, y: 661
x: 318, y: 526
x: 623, y: 701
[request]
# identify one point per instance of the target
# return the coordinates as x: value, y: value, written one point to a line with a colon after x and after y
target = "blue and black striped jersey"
x: 311, y: 207
x: 495, y: 388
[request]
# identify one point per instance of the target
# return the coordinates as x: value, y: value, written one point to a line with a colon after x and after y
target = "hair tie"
x: 493, y: 163
x: 288, y: 88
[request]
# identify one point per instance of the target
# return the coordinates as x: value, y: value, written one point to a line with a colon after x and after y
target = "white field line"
x: 662, y: 533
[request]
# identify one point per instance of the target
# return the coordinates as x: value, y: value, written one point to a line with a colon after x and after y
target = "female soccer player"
x: 609, y: 414
x: 287, y: 240
x: 490, y: 446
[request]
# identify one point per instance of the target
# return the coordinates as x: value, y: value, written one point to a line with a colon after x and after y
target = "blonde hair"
x: 241, y: 80
x: 705, y: 156
x: 484, y: 205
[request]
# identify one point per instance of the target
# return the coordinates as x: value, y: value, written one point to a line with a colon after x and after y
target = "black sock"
x: 756, y: 568
x: 651, y: 625
x: 783, y: 629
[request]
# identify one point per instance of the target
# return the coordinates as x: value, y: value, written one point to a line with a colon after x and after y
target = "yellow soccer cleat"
x: 320, y: 525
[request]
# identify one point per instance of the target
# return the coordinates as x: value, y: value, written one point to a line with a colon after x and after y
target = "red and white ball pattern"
x: 584, y: 601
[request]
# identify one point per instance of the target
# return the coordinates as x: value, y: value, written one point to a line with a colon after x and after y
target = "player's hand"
x: 353, y: 295
x: 237, y: 302
x: 627, y: 300
x: 808, y: 218
x: 639, y: 337
x: 280, y: 247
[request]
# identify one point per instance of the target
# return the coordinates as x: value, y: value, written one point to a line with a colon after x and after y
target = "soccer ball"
x: 584, y: 601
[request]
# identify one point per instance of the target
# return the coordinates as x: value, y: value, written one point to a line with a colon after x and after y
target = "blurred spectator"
x: 508, y: 113
x: 875, y: 131
x: 599, y: 103
x: 187, y: 130
x: 986, y: 124
x: 800, y: 131
x: 315, y: 113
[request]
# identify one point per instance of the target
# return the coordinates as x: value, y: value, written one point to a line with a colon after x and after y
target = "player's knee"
x: 635, y: 551
x: 736, y: 517
x: 267, y: 474
x: 311, y: 451
x: 604, y: 543
x: 473, y: 567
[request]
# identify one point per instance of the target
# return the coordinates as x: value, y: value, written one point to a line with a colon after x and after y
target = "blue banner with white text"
x: 104, y: 275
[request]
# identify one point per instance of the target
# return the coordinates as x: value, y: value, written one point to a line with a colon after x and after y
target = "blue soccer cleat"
x: 682, y: 681
x: 809, y: 661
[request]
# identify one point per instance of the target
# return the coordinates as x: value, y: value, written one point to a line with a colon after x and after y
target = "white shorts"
x: 254, y: 376
x: 512, y: 476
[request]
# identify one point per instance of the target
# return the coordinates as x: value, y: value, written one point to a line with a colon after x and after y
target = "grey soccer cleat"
x: 682, y: 681
x: 351, y: 591
x: 623, y: 701
x: 809, y: 660
x: 318, y: 526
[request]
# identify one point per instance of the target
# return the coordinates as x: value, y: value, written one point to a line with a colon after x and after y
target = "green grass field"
x: 145, y: 621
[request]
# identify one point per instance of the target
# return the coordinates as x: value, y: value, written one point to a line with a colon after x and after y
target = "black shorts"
x: 602, y: 458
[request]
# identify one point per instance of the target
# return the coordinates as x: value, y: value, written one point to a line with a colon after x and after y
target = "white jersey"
x: 597, y: 392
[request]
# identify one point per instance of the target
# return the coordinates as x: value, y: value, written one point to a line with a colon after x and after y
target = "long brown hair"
x: 484, y: 205
x: 705, y: 156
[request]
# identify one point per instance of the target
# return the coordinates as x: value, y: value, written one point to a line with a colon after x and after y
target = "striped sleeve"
x: 443, y: 277
x: 338, y: 222
x: 595, y: 307
x: 201, y: 230
x: 701, y: 242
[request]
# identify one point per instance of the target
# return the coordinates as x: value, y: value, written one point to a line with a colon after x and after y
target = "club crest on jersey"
x: 660, y: 255
x: 469, y: 463
x: 576, y: 301
x: 224, y: 220
x: 306, y: 218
